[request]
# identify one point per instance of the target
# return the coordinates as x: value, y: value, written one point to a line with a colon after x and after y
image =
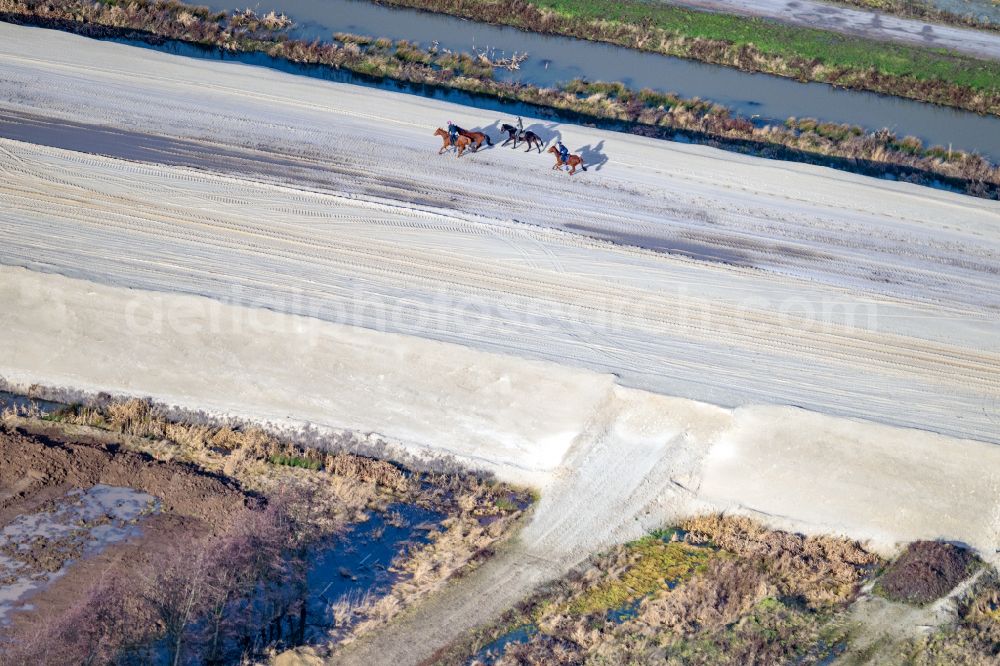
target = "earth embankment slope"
x: 612, y: 461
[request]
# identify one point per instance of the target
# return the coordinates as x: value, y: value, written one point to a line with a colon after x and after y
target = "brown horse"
x: 461, y: 143
x: 476, y: 138
x: 574, y: 161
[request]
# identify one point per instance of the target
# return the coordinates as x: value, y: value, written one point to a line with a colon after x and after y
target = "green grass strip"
x: 774, y: 38
x: 294, y: 461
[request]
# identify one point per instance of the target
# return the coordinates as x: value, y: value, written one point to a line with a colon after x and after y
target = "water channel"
x: 555, y: 59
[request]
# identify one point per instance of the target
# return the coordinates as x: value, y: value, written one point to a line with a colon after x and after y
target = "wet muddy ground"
x: 67, y: 508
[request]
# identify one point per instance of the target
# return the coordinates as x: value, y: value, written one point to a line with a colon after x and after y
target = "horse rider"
x: 520, y: 126
x: 452, y: 132
x: 563, y: 152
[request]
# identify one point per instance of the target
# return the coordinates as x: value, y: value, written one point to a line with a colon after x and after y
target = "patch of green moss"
x: 657, y: 565
x: 294, y: 461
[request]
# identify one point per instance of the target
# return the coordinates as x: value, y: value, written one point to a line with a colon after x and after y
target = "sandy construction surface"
x: 295, y: 251
x: 768, y: 282
x: 862, y: 23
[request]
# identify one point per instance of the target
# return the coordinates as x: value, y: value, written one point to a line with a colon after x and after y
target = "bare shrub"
x: 136, y: 417
x: 105, y: 622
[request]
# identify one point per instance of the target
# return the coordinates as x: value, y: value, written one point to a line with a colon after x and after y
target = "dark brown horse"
x: 527, y: 136
x: 461, y: 143
x: 574, y: 161
x: 476, y: 138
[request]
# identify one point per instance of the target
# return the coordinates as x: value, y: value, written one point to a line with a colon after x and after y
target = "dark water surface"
x: 359, y: 565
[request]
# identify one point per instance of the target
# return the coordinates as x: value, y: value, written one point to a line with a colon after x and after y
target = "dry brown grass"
x: 236, y: 450
x: 367, y: 470
x: 759, y: 597
x: 727, y: 590
x: 135, y: 417
x: 822, y: 570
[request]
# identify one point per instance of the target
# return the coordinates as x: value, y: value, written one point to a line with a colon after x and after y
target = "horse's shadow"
x: 593, y: 156
x: 546, y: 133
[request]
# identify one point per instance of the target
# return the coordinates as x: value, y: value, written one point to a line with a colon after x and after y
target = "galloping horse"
x: 574, y: 161
x: 526, y: 136
x: 461, y: 143
x: 476, y: 138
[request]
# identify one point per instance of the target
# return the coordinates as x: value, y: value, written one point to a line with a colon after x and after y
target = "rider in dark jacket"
x: 563, y: 152
x: 452, y: 132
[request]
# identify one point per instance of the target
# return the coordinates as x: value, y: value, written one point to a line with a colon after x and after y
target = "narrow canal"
x: 555, y: 59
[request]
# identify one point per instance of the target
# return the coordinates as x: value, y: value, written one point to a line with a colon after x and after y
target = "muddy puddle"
x: 37, y: 548
x: 555, y: 59
x: 491, y: 652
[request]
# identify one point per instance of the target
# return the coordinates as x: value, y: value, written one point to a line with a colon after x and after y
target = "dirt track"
x: 859, y: 22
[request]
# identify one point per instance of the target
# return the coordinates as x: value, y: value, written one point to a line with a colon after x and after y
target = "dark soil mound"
x: 32, y: 468
x: 927, y: 570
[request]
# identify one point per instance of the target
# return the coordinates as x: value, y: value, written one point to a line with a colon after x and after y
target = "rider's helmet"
x: 450, y: 123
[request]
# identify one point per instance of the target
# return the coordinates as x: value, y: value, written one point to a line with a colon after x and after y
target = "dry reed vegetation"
x: 254, y: 457
x: 820, y: 570
x: 643, y: 112
x: 726, y: 591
